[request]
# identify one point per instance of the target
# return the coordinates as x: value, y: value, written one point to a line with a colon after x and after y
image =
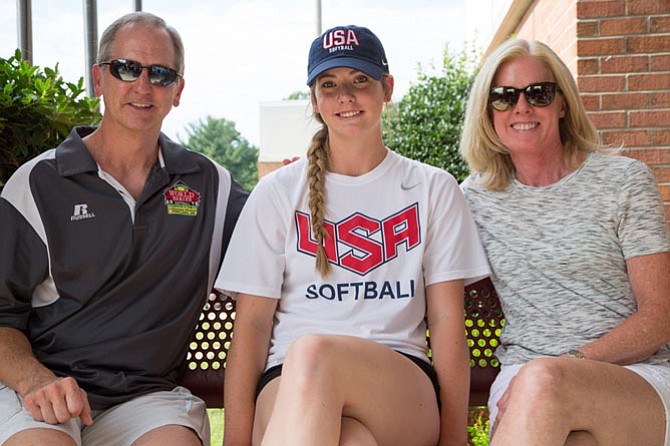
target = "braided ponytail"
x: 317, y: 158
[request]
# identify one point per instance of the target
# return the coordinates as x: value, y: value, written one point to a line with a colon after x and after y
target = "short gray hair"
x: 106, y: 47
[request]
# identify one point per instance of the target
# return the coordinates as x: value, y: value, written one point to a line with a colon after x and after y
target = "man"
x: 109, y: 246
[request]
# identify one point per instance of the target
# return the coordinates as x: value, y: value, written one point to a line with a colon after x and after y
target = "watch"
x: 574, y: 353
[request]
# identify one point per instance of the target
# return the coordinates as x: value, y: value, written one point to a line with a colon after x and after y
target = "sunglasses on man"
x: 131, y: 70
x: 538, y: 95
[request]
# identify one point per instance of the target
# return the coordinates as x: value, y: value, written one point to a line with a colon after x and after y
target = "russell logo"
x: 81, y: 212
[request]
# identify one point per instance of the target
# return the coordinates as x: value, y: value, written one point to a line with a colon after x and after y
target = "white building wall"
x: 286, y: 128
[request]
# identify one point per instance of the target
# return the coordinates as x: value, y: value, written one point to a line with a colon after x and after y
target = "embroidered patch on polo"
x: 182, y: 200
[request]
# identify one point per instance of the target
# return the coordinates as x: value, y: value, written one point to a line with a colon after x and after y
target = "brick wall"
x: 619, y: 52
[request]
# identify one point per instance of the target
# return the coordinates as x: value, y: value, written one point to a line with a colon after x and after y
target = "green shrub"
x: 37, y: 111
x: 426, y: 124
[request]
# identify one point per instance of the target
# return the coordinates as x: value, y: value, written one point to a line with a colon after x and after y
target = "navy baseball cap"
x: 347, y: 46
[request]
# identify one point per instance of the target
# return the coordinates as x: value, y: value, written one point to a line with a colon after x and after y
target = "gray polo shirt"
x: 108, y: 289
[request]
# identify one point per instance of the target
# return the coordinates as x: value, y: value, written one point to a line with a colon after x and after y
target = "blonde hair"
x: 480, y: 145
x: 317, y: 166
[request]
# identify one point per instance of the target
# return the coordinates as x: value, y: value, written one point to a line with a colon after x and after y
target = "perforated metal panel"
x: 483, y: 324
x: 209, y: 347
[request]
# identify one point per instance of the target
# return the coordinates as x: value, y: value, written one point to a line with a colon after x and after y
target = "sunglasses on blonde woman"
x: 131, y: 70
x: 538, y: 95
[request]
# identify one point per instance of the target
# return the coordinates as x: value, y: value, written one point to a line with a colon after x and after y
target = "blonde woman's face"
x: 526, y: 130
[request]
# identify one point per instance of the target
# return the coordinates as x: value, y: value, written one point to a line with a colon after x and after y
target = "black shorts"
x: 275, y: 372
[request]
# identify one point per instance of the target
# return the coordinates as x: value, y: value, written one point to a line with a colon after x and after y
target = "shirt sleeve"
x: 236, y: 200
x: 23, y: 266
x: 453, y: 248
x: 256, y: 255
x: 642, y: 227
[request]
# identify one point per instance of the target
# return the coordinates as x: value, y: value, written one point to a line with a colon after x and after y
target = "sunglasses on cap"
x: 538, y: 95
x: 131, y: 70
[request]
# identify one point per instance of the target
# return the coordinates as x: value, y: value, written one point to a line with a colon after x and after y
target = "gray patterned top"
x: 558, y: 253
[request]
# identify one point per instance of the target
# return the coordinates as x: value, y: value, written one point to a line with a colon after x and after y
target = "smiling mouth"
x: 350, y: 114
x: 529, y: 126
x: 138, y: 105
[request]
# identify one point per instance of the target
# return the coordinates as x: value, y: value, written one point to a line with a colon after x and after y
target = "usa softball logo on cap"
x: 340, y: 39
x: 347, y: 46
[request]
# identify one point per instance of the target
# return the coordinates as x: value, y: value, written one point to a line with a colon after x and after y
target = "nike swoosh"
x: 404, y: 186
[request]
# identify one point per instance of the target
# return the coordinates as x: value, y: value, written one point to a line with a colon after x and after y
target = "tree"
x: 37, y: 111
x: 296, y: 95
x: 219, y: 140
x: 426, y: 124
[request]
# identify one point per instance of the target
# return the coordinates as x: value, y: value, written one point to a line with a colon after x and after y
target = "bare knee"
x: 540, y: 385
x: 308, y: 362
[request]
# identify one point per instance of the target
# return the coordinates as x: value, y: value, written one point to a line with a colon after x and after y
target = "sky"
x: 244, y: 53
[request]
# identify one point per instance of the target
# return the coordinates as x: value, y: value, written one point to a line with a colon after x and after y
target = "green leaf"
x: 37, y: 111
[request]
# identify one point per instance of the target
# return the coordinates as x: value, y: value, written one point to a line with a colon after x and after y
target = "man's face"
x: 138, y: 105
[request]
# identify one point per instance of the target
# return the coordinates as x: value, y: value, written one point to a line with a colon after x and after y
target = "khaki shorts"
x: 657, y: 375
x: 120, y: 425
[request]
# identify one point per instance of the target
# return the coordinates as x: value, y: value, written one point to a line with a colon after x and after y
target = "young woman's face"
x: 349, y: 101
x: 526, y: 129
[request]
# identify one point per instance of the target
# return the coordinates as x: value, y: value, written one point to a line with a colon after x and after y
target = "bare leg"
x: 553, y: 397
x: 40, y: 437
x: 337, y: 388
x: 354, y: 433
x: 169, y: 435
x: 581, y: 438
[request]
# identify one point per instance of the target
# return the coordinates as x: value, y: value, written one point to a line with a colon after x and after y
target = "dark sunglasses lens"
x: 537, y: 95
x: 129, y: 71
x: 163, y: 76
x: 126, y: 70
x: 502, y: 98
x: 540, y: 95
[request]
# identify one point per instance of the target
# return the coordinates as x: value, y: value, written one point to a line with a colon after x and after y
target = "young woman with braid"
x: 335, y: 354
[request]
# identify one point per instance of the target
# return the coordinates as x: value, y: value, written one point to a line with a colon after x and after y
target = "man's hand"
x: 287, y: 161
x: 58, y: 401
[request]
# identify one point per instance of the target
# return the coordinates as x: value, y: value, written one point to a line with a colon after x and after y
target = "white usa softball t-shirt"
x: 395, y: 230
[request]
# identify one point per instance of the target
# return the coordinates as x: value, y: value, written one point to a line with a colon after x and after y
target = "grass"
x: 216, y: 425
x: 478, y: 426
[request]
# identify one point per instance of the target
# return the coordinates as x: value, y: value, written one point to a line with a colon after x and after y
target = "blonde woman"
x: 580, y: 253
x: 336, y: 263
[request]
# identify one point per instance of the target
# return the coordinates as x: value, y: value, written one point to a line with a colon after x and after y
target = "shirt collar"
x: 73, y: 157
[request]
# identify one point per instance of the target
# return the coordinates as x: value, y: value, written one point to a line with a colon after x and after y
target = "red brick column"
x: 623, y: 49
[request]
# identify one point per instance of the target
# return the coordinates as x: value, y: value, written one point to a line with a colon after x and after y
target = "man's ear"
x: 177, y: 96
x: 96, y: 70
